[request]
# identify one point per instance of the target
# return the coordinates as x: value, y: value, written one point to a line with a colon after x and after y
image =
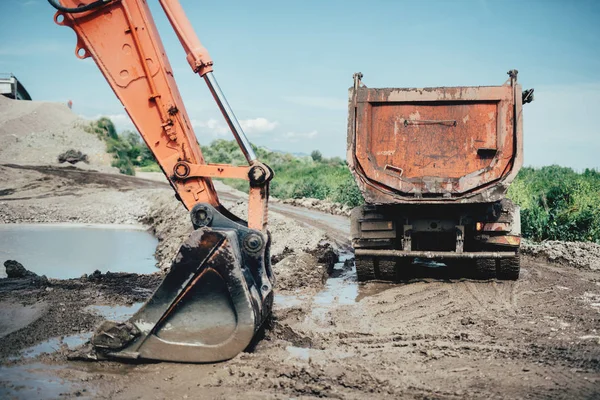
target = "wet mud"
x: 436, y: 336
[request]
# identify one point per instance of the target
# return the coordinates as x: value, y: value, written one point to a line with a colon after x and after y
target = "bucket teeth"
x: 114, y: 336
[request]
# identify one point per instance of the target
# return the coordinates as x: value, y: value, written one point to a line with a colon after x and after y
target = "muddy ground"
x: 428, y: 338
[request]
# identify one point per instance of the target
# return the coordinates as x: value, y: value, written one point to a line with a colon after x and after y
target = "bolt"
x: 253, y: 242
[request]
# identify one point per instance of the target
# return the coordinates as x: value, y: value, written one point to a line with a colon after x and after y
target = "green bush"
x: 558, y: 203
x: 103, y: 127
x: 295, y: 177
x: 128, y: 149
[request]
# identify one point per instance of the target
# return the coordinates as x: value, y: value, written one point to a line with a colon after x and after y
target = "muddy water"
x: 65, y: 251
x: 33, y: 381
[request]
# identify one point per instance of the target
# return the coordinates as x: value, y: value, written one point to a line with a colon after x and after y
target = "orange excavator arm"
x: 219, y: 289
x: 121, y: 37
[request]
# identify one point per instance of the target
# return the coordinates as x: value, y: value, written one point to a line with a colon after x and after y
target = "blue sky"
x: 285, y: 66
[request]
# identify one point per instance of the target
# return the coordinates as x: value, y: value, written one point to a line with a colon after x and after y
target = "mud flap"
x: 214, y: 299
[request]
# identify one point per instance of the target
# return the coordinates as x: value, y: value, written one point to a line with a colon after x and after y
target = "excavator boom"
x: 219, y: 289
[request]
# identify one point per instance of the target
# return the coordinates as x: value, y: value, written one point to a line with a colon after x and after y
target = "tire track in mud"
x: 427, y: 338
x: 460, y: 338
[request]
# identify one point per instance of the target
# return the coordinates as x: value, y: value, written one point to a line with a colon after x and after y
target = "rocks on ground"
x: 72, y: 156
x: 59, y: 307
x: 18, y: 277
x: 15, y: 269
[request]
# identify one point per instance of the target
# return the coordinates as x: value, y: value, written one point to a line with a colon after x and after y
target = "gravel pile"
x: 37, y: 132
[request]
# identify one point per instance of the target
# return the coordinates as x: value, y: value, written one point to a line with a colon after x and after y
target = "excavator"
x: 219, y: 290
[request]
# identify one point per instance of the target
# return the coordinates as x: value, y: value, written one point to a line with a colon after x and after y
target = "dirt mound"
x: 320, y: 205
x: 171, y: 225
x: 36, y: 132
x: 69, y: 194
x: 302, y: 270
x: 584, y: 255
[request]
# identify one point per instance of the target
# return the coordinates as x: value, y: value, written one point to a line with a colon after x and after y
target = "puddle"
x: 298, y: 352
x: 115, y: 313
x: 340, y: 289
x: 287, y: 300
x: 35, y: 381
x: 53, y: 345
x: 64, y: 251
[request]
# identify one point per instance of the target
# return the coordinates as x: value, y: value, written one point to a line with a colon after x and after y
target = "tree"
x: 316, y: 156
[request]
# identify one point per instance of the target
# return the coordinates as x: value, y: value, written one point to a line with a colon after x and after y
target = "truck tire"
x: 508, y: 269
x: 365, y: 268
x: 386, y: 270
x: 485, y: 268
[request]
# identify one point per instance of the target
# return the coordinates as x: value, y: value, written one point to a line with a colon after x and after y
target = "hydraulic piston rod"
x: 230, y: 117
x: 202, y: 64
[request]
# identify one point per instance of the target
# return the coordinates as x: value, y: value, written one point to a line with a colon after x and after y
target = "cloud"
x: 258, y: 125
x: 211, y: 126
x: 295, y: 136
x: 327, y: 103
x: 218, y: 128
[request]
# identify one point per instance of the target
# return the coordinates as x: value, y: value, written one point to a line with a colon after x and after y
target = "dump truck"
x: 434, y: 166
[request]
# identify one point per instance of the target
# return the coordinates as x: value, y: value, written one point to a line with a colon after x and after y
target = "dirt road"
x: 429, y: 338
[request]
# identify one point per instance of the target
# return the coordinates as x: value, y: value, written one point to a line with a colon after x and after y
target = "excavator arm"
x: 218, y: 291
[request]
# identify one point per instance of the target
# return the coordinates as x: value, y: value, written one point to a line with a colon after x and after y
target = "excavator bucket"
x: 219, y: 290
x: 210, y: 305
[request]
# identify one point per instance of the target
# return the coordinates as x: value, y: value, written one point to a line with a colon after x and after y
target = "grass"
x: 556, y: 202
x: 295, y: 177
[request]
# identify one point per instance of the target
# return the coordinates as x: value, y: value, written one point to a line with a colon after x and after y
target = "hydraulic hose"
x: 87, y: 7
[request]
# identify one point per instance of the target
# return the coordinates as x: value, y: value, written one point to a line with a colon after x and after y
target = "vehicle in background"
x: 434, y: 165
x: 11, y: 87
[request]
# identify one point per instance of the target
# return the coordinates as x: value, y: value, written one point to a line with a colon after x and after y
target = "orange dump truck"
x: 433, y: 166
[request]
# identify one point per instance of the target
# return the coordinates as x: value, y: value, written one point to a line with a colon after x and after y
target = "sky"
x: 286, y: 66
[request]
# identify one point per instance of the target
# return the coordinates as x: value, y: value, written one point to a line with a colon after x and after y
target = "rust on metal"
x: 496, y: 227
x: 502, y: 240
x: 435, y: 145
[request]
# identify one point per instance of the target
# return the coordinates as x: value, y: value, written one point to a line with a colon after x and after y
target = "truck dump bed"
x: 435, y: 145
